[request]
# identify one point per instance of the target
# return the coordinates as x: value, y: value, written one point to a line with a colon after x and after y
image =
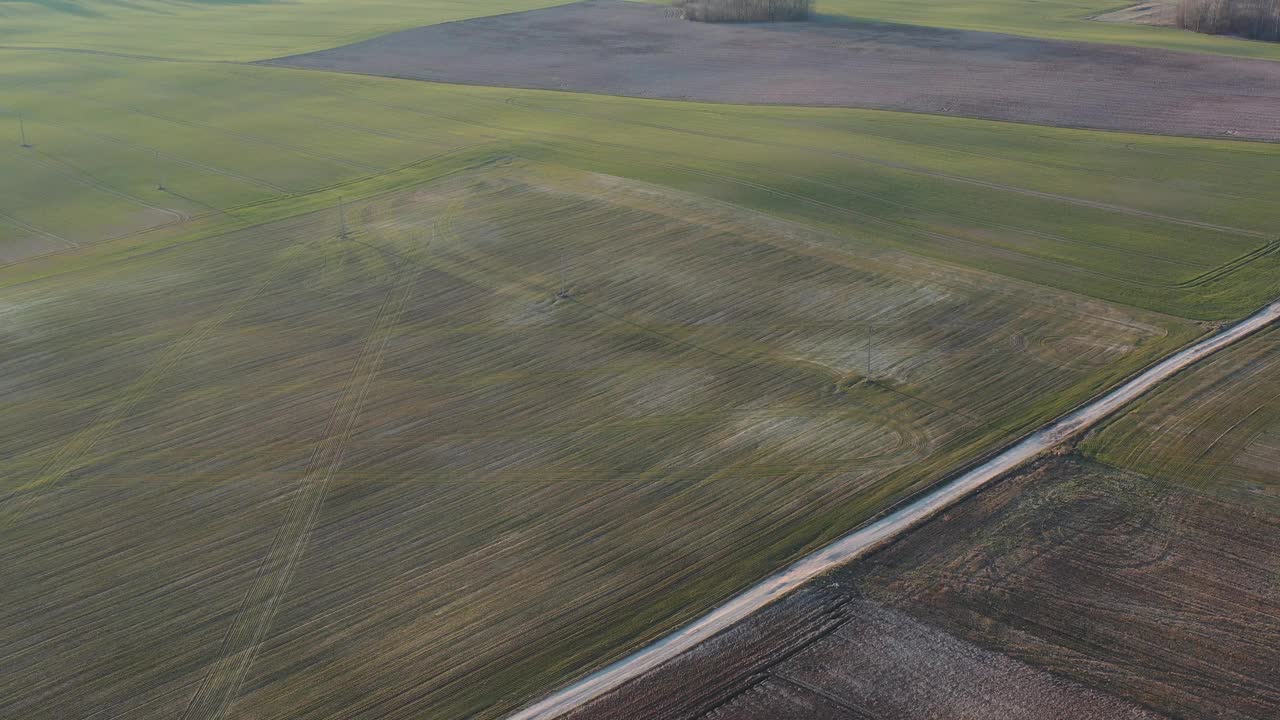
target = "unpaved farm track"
x: 873, y: 535
x: 636, y: 49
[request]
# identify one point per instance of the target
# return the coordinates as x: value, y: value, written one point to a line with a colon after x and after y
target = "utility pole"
x: 342, y: 220
x: 160, y: 185
x: 22, y: 130
x: 869, y: 326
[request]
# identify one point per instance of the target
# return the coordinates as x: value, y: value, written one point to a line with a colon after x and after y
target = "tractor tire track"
x: 172, y: 158
x: 220, y: 686
x: 76, y: 175
x: 37, y: 231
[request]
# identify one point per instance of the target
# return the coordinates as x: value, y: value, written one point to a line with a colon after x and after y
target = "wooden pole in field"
x: 342, y: 220
x: 868, y: 351
x: 22, y: 130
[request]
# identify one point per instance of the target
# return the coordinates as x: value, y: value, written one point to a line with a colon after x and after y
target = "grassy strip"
x: 1170, y: 224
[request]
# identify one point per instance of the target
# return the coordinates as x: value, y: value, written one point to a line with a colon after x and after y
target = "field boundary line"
x: 202, y: 167
x: 890, y: 523
x: 39, y: 232
x: 220, y: 687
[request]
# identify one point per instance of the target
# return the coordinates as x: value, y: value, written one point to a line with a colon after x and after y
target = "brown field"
x: 1069, y: 590
x: 626, y: 48
x: 525, y: 418
x: 883, y: 663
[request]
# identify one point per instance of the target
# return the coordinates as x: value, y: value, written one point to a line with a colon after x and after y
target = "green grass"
x: 1176, y: 225
x: 227, y: 29
x: 515, y: 486
x: 1056, y: 19
x: 1215, y: 429
x: 261, y: 29
x: 560, y: 479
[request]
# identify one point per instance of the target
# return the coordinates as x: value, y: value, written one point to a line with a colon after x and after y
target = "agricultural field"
x: 533, y: 383
x: 626, y: 48
x: 224, y: 30
x: 331, y: 395
x: 1058, y: 19
x: 1216, y: 431
x: 1175, y: 225
x: 1075, y: 587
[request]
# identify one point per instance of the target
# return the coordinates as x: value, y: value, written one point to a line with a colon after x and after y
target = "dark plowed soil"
x: 1070, y: 590
x: 624, y: 48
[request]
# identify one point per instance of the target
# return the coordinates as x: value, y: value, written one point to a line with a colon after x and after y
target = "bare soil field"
x: 635, y: 49
x: 1071, y: 589
x: 884, y: 663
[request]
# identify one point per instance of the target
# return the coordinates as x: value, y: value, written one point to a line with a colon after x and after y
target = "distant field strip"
x: 1109, y: 207
x: 1208, y: 274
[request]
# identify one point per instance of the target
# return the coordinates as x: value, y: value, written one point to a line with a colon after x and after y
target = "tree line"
x: 744, y: 10
x: 1255, y: 19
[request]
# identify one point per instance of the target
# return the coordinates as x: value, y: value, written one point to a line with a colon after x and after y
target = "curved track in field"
x: 874, y: 534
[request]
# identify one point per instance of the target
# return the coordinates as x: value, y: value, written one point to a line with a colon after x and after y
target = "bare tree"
x: 1256, y: 19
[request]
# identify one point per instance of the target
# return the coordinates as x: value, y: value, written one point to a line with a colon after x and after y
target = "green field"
x: 1175, y: 225
x: 1054, y: 19
x: 483, y: 475
x: 1057, y: 19
x: 226, y: 29
x: 1215, y: 430
x: 239, y: 31
x: 582, y: 367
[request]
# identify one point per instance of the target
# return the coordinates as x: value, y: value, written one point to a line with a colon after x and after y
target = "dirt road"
x: 867, y: 538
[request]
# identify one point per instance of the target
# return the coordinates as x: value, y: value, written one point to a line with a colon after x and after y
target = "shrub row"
x: 1256, y: 19
x: 744, y: 10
